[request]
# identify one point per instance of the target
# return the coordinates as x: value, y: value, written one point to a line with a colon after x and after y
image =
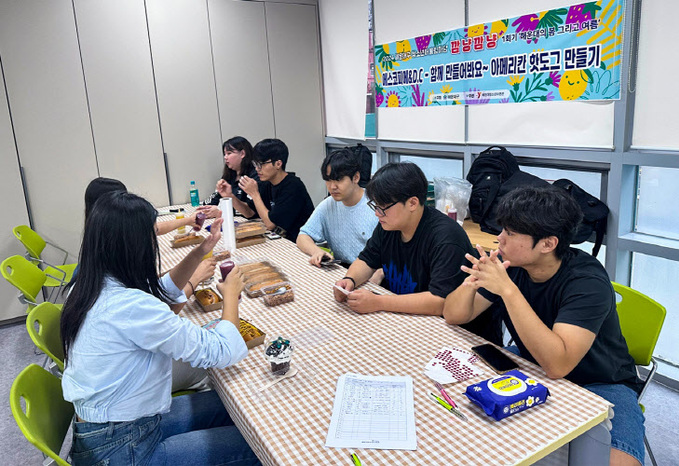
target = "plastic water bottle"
x: 193, y: 192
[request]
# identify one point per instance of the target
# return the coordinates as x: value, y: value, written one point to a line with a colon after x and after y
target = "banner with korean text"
x: 569, y: 53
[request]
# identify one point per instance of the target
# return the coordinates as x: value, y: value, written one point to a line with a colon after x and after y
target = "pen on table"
x: 445, y: 404
x: 354, y: 458
x: 445, y: 395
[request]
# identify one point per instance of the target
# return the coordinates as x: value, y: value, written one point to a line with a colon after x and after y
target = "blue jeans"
x: 197, y: 430
x: 627, y: 434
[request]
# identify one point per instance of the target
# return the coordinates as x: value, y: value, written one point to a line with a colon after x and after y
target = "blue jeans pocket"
x: 115, y: 443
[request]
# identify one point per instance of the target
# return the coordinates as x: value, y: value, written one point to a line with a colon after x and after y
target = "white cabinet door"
x: 295, y: 80
x: 44, y: 80
x: 189, y: 119
x: 242, y: 69
x: 116, y: 61
x: 14, y: 210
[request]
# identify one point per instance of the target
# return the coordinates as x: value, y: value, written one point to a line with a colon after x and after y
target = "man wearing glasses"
x: 281, y: 199
x: 419, y: 249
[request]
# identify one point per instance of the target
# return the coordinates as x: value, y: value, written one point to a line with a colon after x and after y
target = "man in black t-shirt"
x: 419, y: 249
x: 558, y: 305
x: 280, y: 199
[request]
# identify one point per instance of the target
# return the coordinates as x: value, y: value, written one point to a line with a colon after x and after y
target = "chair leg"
x: 650, y: 453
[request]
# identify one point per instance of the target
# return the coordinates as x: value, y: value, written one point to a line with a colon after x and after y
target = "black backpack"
x: 494, y: 173
x: 366, y: 162
x: 595, y: 214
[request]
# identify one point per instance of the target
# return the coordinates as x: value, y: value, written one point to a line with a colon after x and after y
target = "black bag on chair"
x: 491, y: 168
x: 594, y: 212
x: 366, y: 162
x: 494, y: 173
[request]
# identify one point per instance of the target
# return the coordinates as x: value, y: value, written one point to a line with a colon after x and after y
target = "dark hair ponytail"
x: 119, y: 243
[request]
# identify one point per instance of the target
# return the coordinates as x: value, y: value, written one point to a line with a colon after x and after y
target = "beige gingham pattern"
x: 288, y: 424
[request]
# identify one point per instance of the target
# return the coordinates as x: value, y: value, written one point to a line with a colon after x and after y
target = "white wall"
x: 14, y: 209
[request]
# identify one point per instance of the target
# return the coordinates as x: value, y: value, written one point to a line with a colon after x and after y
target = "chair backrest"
x: 32, y: 241
x: 47, y: 336
x: 47, y: 416
x: 641, y: 319
x: 24, y: 275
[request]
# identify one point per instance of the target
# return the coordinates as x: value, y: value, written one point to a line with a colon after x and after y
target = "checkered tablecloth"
x: 288, y: 423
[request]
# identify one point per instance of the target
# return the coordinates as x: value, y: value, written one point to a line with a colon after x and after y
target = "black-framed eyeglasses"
x: 381, y: 211
x: 258, y: 165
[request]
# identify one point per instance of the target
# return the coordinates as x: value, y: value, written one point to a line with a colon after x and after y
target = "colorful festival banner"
x: 570, y: 53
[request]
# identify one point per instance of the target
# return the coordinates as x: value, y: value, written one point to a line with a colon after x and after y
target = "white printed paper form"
x: 373, y: 412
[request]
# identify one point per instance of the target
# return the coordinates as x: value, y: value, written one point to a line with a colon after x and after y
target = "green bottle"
x: 193, y: 192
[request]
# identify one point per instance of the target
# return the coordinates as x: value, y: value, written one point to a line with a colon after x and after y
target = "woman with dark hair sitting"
x: 237, y: 162
x: 101, y: 185
x: 120, y: 336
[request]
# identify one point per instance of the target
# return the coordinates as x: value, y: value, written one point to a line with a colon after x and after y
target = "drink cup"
x: 200, y: 219
x: 226, y: 267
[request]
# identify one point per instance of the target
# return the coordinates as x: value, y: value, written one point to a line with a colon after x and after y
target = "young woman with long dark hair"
x: 120, y: 334
x: 238, y: 160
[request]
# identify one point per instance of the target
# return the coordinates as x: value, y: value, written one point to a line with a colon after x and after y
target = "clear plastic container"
x: 280, y: 293
x: 256, y: 289
x: 249, y: 228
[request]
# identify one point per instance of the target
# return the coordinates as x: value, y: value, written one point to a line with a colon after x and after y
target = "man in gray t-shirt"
x: 343, y: 219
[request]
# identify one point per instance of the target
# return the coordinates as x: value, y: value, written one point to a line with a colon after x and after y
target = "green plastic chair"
x: 27, y: 278
x: 641, y: 320
x: 35, y: 245
x: 47, y: 336
x: 47, y: 416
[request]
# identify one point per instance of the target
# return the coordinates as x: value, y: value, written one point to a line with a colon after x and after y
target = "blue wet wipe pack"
x: 507, y: 394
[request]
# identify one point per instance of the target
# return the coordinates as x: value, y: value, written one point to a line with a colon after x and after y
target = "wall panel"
x: 295, y: 80
x: 119, y: 77
x: 44, y: 80
x: 14, y: 211
x: 242, y: 69
x: 187, y: 98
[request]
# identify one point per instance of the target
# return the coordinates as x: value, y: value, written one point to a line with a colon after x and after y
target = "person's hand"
x: 210, y: 211
x: 224, y: 189
x: 191, y: 221
x: 488, y: 272
x: 213, y: 238
x: 316, y: 257
x: 363, y: 301
x: 248, y: 185
x: 204, y: 271
x: 345, y: 284
x: 233, y: 285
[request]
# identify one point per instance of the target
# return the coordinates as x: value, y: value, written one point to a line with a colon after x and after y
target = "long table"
x: 288, y: 423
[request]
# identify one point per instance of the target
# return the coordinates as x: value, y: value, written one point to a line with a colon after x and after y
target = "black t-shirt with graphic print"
x: 430, y: 261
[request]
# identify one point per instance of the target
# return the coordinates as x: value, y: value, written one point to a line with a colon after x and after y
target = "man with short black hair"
x: 419, y: 249
x: 343, y: 219
x: 558, y: 305
x: 281, y: 199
